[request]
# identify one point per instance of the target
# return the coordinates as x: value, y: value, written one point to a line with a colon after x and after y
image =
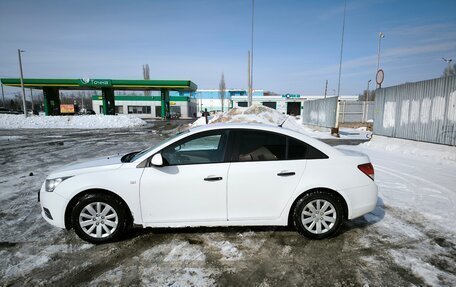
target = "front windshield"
x: 143, y: 152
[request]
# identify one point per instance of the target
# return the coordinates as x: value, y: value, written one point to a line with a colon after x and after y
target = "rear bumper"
x: 53, y: 207
x: 362, y: 200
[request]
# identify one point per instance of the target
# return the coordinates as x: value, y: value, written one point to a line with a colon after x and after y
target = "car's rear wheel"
x: 99, y: 218
x: 318, y: 215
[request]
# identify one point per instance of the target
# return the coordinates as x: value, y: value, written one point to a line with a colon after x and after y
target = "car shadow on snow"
x: 366, y: 220
x: 359, y: 223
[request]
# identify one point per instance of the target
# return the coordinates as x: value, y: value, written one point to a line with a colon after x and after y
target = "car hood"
x: 80, y: 167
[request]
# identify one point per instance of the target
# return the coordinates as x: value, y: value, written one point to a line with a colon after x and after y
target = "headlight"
x: 51, y: 184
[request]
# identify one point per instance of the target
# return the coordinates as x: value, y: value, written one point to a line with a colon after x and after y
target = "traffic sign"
x: 380, y: 77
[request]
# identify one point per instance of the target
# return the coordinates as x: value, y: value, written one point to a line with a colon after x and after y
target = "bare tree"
x: 449, y: 71
x: 364, y: 96
x: 222, y: 88
x: 146, y: 74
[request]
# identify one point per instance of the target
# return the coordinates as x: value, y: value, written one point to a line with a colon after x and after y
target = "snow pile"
x: 421, y: 149
x: 262, y: 115
x: 69, y: 122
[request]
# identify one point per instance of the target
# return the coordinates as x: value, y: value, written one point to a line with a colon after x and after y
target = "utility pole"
x: 249, y: 88
x: 381, y: 35
x: 326, y: 88
x: 341, y: 48
x: 19, y: 51
x: 3, y: 95
x: 251, y: 62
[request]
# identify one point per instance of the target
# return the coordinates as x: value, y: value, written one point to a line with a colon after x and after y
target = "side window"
x: 313, y: 153
x: 260, y: 146
x: 198, y: 149
x: 210, y: 142
x: 300, y: 150
x: 296, y: 149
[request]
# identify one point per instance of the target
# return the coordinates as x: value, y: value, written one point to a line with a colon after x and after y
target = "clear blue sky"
x: 296, y: 45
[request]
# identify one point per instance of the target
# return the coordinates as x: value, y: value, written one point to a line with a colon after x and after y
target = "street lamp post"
x: 381, y: 35
x: 19, y: 51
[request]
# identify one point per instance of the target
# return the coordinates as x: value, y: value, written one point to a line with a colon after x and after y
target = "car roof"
x: 329, y: 150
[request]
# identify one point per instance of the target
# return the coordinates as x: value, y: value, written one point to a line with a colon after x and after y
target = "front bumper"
x: 53, y: 207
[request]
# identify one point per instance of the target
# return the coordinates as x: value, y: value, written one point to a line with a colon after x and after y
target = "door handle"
x: 215, y: 178
x: 286, y: 173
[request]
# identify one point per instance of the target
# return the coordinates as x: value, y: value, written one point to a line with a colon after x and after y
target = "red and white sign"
x: 380, y: 77
x: 66, y: 109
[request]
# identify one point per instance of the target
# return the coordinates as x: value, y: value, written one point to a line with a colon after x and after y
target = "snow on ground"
x: 408, y: 240
x: 263, y: 115
x: 416, y: 176
x: 69, y: 122
x: 417, y: 185
x: 421, y: 149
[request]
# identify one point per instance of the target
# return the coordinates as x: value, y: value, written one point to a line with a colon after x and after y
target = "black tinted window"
x: 300, y: 150
x: 313, y: 153
x: 260, y: 146
x: 296, y: 149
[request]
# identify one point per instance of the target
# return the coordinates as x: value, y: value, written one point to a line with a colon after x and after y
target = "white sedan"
x: 215, y: 175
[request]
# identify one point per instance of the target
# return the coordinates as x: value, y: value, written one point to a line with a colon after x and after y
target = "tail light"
x: 367, y: 169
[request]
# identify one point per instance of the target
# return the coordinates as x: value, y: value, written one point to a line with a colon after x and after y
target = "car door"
x: 191, y: 186
x: 261, y: 180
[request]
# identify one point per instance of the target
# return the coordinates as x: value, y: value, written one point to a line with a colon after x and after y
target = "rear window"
x: 255, y: 145
x: 301, y: 150
x: 261, y: 146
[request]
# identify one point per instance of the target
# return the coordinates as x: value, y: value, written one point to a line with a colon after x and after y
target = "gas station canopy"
x: 93, y: 84
x: 51, y: 89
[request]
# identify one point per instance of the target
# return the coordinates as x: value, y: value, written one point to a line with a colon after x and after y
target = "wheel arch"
x: 339, y: 197
x: 74, y: 200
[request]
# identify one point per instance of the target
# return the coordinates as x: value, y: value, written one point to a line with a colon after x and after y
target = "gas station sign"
x: 288, y: 96
x: 98, y: 83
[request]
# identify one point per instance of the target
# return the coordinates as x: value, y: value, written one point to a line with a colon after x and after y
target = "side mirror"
x: 157, y: 160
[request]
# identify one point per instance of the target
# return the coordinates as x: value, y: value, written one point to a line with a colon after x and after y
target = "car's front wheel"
x: 318, y: 215
x: 99, y: 218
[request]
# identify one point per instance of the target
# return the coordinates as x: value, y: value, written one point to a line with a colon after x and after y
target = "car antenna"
x: 284, y: 121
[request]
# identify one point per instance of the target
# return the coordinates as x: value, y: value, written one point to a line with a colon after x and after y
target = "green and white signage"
x: 98, y: 83
x: 288, y: 96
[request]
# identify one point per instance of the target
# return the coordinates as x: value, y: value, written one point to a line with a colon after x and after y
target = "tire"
x: 99, y: 218
x: 328, y: 221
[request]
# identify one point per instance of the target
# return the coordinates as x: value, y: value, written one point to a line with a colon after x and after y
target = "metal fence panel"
x: 422, y: 111
x: 321, y: 112
x: 355, y: 111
